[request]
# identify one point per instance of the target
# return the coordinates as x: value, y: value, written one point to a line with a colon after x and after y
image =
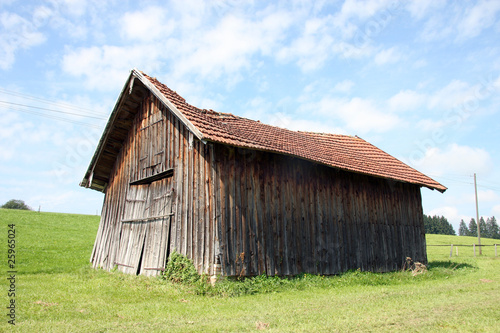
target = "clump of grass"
x: 182, y: 271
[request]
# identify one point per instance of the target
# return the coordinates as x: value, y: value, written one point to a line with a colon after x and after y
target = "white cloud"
x: 105, y: 67
x: 495, y: 211
x: 488, y: 196
x: 452, y: 95
x: 420, y: 63
x: 16, y: 33
x: 223, y: 49
x: 74, y: 7
x: 431, y: 125
x: 406, y: 100
x: 458, y: 22
x: 454, y: 159
x: 387, y: 56
x: 312, y: 48
x: 258, y: 108
x: 230, y: 45
x: 357, y: 115
x: 363, y: 9
x: 478, y: 18
x: 149, y: 24
x: 343, y: 86
x: 300, y: 124
x: 450, y: 212
x: 353, y: 50
x: 418, y: 9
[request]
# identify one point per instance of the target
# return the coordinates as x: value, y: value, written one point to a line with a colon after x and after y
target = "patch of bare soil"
x: 261, y: 325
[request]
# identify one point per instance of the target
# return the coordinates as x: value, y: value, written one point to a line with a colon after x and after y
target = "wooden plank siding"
x: 156, y: 143
x: 280, y: 215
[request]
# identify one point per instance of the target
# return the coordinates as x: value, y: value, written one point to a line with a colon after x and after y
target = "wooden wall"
x: 282, y: 215
x: 156, y: 143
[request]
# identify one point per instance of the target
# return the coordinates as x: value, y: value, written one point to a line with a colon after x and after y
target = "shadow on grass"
x: 448, y: 265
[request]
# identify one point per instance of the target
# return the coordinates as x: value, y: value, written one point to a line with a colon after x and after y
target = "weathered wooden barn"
x: 243, y: 197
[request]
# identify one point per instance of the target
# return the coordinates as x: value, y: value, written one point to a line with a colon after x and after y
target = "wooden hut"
x: 244, y: 198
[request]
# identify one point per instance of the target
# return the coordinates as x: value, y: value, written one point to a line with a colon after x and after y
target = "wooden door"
x: 145, y: 230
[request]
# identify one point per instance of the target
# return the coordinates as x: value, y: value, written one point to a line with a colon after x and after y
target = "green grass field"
x: 57, y: 291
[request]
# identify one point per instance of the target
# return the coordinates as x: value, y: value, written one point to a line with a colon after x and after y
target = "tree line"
x: 438, y: 225
x: 488, y: 228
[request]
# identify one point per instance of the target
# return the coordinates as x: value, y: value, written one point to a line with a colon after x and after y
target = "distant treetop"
x: 16, y: 204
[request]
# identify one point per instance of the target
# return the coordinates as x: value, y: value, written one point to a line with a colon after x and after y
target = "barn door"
x: 145, y: 229
x: 156, y: 240
x: 133, y: 230
x: 145, y: 226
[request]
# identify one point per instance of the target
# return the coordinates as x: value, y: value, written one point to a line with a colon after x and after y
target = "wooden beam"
x: 147, y: 219
x: 148, y: 180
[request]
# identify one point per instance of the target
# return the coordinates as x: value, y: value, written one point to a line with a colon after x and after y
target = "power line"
x: 451, y: 179
x: 467, y: 183
x: 489, y: 187
x: 47, y: 101
x: 51, y: 110
x: 57, y: 118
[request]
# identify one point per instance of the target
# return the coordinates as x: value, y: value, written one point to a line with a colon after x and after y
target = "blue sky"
x: 420, y: 80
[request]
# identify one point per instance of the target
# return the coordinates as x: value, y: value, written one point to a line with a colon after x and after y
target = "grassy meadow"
x: 57, y: 291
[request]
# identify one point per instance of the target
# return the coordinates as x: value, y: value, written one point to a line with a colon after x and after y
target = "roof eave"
x: 87, y: 179
x: 439, y: 187
x: 126, y: 90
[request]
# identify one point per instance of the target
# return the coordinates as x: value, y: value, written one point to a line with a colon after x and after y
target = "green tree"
x: 472, y: 228
x: 463, y: 230
x: 16, y: 204
x: 482, y: 228
x: 492, y: 228
x: 438, y: 225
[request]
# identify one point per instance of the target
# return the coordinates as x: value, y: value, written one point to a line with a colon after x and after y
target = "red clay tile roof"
x: 339, y: 151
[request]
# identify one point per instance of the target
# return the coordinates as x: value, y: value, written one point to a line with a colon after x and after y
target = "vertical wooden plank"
x: 225, y: 186
x: 215, y: 227
x: 289, y: 178
x: 195, y: 199
x: 231, y: 207
x: 179, y: 167
x: 330, y: 222
x: 260, y: 223
x: 265, y: 202
x: 183, y: 165
x: 283, y: 211
x: 301, y: 229
x: 251, y: 192
x: 242, y: 218
x: 320, y: 227
x: 311, y: 187
x: 279, y: 216
x: 272, y: 239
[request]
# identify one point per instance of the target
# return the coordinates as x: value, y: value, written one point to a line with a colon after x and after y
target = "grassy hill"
x: 56, y: 290
x: 463, y: 243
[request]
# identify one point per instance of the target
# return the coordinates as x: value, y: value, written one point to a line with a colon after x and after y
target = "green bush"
x: 180, y: 269
x: 16, y: 204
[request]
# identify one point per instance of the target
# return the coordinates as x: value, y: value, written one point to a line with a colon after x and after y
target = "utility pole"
x: 477, y: 218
